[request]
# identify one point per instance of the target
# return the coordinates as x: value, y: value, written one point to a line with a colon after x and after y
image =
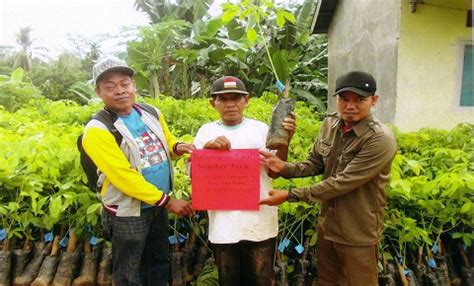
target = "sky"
x: 52, y: 21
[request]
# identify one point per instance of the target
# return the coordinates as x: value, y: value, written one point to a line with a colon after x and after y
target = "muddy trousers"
x: 140, y: 247
x: 245, y: 263
x: 340, y: 264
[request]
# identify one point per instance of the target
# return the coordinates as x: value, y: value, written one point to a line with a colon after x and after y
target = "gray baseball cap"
x: 109, y: 64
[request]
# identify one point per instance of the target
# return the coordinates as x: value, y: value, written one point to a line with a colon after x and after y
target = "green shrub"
x: 430, y: 193
x: 14, y: 93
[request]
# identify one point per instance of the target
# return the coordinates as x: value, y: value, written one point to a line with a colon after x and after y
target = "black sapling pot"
x: 203, y: 253
x: 48, y: 267
x: 88, y: 273
x: 104, y: 275
x: 5, y: 264
x: 277, y: 135
x: 176, y: 266
x: 47, y: 271
x: 189, y: 253
x: 467, y: 275
x: 20, y: 260
x: 31, y: 271
x: 386, y: 280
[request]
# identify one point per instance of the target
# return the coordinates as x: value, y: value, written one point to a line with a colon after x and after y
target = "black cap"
x: 359, y: 82
x: 228, y: 84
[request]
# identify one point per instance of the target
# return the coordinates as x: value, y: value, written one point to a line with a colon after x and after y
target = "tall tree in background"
x: 28, y: 51
x: 88, y: 49
x: 23, y: 56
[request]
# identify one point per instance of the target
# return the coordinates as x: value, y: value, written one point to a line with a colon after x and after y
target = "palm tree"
x: 24, y: 57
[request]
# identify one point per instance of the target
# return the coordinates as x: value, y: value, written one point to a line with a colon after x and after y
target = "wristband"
x: 175, y: 148
x: 165, y: 199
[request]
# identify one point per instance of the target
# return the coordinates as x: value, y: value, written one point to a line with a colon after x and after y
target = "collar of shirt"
x: 360, y: 128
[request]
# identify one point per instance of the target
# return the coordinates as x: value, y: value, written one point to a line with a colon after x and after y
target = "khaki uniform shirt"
x: 356, y: 167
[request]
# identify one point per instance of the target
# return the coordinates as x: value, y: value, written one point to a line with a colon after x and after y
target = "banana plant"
x: 152, y: 55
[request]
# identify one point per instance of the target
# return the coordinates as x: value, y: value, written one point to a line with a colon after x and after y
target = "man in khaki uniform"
x: 354, y: 151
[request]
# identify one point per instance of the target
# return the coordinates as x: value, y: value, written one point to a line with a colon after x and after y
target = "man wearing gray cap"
x: 354, y: 152
x: 133, y: 158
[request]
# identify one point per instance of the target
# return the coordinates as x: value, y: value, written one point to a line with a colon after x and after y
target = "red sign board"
x: 225, y: 179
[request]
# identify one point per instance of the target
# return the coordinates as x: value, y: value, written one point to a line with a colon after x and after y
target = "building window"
x: 467, y: 84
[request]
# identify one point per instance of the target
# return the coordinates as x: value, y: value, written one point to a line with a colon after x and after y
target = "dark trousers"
x: 140, y: 247
x: 340, y: 264
x: 245, y: 262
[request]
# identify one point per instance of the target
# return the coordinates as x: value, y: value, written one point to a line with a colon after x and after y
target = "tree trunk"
x: 167, y: 85
x: 154, y: 85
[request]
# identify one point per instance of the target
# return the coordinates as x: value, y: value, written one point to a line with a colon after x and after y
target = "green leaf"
x: 303, y: 38
x: 251, y: 35
x: 235, y: 30
x: 309, y: 232
x: 466, y: 238
x: 289, y: 16
x: 93, y: 208
x: 312, y: 99
x: 228, y: 15
x: 280, y: 18
x: 213, y: 27
x: 208, y: 276
x: 233, y: 45
x: 280, y: 60
x: 305, y: 15
x: 17, y: 75
x: 314, y: 239
x: 466, y: 207
x: 197, y: 230
x: 55, y: 207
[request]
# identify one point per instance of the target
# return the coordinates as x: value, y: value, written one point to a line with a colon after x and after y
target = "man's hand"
x: 289, y: 124
x: 185, y: 148
x: 271, y: 161
x: 276, y: 198
x: 179, y: 207
x: 221, y: 143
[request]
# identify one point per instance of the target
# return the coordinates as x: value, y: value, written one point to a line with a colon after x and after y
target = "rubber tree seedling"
x: 254, y: 14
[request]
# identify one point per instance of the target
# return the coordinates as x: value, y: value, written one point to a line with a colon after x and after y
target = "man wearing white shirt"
x: 243, y: 241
